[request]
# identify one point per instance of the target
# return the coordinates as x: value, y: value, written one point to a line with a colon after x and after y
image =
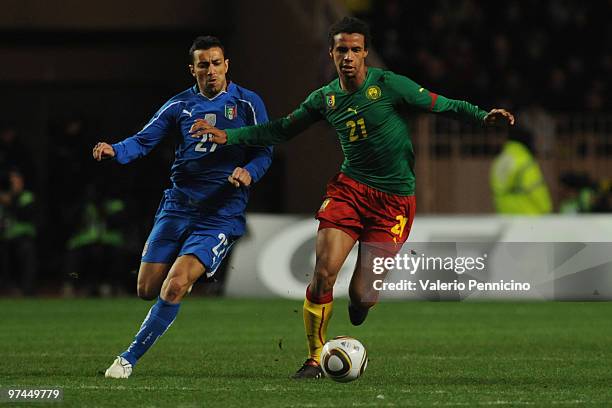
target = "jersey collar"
x: 230, y: 88
x: 365, y: 81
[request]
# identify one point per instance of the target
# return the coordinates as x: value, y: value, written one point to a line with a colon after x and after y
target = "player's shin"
x: 158, y: 320
x: 317, y: 313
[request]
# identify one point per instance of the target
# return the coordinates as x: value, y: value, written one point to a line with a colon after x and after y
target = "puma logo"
x: 354, y: 110
x: 188, y: 113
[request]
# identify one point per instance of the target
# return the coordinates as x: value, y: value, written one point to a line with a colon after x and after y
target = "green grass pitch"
x: 238, y: 352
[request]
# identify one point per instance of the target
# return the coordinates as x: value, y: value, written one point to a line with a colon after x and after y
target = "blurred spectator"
x: 18, y: 255
x: 577, y: 193
x: 517, y: 183
x: 541, y: 124
x: 603, y: 202
x: 581, y: 194
x: 70, y: 169
x: 95, y: 258
x: 13, y: 153
x: 69, y: 160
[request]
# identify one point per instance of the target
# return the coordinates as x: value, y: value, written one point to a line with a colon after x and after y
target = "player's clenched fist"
x: 240, y: 177
x: 201, y: 127
x: 103, y: 151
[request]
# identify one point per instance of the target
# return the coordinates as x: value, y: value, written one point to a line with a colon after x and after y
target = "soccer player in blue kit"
x: 202, y: 215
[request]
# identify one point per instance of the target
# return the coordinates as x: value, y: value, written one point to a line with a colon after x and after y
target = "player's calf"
x: 146, y: 293
x: 183, y: 274
x: 360, y: 303
x: 323, y: 280
x: 332, y: 248
x: 175, y: 289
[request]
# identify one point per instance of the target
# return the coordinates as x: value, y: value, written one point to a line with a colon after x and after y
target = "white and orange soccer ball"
x: 344, y: 359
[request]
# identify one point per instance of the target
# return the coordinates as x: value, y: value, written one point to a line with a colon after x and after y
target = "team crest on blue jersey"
x: 330, y: 100
x: 231, y: 111
x: 373, y: 92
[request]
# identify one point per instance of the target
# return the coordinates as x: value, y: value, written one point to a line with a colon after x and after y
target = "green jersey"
x: 374, y: 137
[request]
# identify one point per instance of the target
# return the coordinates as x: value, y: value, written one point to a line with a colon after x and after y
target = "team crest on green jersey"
x: 231, y: 111
x: 373, y: 92
x: 330, y: 100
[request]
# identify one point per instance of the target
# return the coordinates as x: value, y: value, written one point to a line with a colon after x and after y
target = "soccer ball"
x: 344, y: 359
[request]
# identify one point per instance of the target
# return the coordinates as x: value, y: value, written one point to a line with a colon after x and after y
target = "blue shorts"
x: 181, y: 229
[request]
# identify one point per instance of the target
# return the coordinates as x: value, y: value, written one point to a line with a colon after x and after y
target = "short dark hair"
x: 205, y: 42
x: 349, y: 25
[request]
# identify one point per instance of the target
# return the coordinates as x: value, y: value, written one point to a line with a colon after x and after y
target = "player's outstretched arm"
x: 265, y: 134
x: 408, y: 91
x: 103, y: 151
x: 499, y: 116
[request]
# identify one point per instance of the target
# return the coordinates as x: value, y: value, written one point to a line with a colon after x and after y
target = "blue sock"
x: 159, y: 319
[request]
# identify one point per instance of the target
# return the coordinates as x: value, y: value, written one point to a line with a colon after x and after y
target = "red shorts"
x: 366, y: 214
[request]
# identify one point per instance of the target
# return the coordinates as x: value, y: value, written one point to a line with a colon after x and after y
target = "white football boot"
x: 121, y: 368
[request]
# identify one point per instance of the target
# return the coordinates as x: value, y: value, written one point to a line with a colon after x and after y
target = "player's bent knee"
x: 146, y: 292
x: 175, y: 289
x: 150, y: 279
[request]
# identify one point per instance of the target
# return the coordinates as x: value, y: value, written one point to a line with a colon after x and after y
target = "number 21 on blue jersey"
x: 212, y: 119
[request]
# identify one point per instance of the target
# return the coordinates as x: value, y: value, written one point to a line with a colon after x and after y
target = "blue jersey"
x: 201, y: 168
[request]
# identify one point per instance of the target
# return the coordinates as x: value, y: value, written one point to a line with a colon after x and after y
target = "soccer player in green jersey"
x: 372, y: 199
